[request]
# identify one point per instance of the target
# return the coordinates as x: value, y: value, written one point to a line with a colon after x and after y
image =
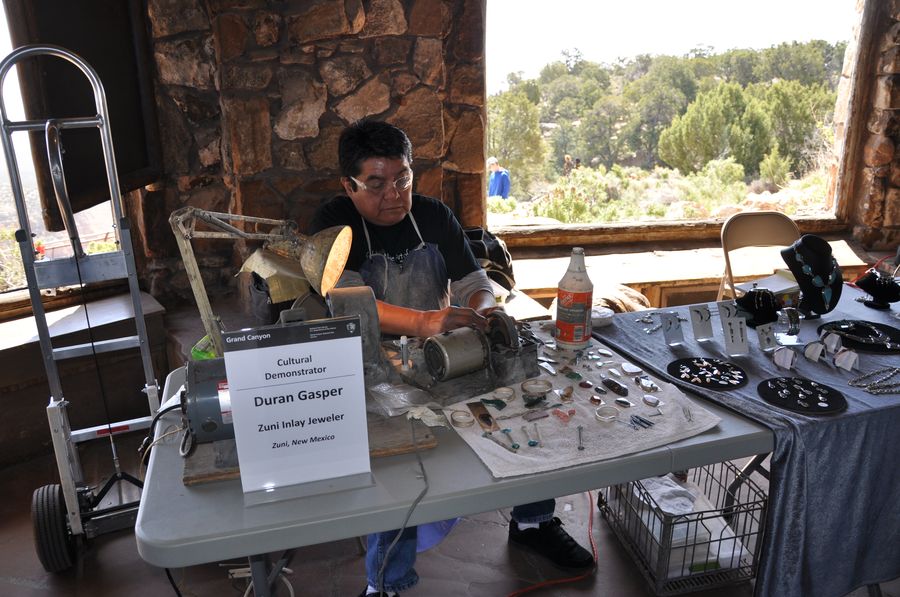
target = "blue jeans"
x: 399, y: 573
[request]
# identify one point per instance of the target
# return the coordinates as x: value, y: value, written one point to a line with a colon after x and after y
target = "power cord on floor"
x: 244, y: 572
x: 561, y: 581
x: 172, y: 582
x: 387, y: 553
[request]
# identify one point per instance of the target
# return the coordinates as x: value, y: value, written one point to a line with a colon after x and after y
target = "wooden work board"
x: 217, y: 461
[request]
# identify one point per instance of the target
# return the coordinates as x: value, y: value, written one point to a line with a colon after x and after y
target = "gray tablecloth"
x: 834, y: 497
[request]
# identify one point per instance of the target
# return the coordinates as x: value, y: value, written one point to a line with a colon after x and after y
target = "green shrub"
x: 498, y: 205
x: 720, y: 182
x: 725, y: 171
x: 101, y: 246
x: 12, y: 274
x: 775, y: 168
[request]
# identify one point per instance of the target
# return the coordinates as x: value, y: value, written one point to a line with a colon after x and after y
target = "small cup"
x: 536, y: 387
x: 504, y: 393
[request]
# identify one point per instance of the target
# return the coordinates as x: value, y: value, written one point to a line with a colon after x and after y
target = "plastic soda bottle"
x: 573, y: 305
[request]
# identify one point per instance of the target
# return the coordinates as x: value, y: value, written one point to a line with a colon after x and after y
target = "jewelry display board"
x: 802, y: 395
x: 706, y: 372
x: 867, y: 336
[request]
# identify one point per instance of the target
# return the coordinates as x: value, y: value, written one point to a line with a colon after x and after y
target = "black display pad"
x: 802, y: 395
x: 865, y: 336
x: 705, y: 372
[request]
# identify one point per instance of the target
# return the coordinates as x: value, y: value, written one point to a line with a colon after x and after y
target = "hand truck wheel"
x: 54, y: 543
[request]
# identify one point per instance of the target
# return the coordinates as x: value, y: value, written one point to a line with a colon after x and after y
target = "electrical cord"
x: 172, y: 582
x: 156, y: 441
x: 560, y: 581
x: 148, y: 441
x: 387, y: 553
x: 875, y: 267
x: 90, y: 330
x: 284, y: 579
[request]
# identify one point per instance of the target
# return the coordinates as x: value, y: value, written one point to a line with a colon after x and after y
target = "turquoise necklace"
x: 824, y: 286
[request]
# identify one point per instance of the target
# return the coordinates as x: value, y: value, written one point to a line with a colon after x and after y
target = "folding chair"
x: 753, y: 229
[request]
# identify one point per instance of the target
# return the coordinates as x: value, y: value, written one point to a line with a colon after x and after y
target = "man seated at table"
x: 412, y: 252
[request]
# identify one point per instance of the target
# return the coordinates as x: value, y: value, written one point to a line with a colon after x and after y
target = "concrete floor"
x: 475, y: 560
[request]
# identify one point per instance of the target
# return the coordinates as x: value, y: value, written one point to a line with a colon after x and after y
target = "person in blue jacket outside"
x: 498, y: 183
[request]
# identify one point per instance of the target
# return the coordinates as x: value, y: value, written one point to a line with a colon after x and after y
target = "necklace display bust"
x: 882, y: 288
x: 817, y: 273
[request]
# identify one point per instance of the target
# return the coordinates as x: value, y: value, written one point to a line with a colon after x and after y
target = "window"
x: 109, y: 35
x: 658, y: 125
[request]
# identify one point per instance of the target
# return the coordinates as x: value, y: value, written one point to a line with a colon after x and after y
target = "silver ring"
x: 606, y: 414
x: 461, y: 418
x: 504, y: 393
x: 536, y: 387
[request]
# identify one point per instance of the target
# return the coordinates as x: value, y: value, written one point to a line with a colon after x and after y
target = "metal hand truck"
x: 66, y: 514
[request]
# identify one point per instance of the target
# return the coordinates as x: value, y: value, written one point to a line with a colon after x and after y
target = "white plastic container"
x: 574, y: 297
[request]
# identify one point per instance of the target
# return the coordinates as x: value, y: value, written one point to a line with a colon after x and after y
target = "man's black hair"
x: 366, y: 139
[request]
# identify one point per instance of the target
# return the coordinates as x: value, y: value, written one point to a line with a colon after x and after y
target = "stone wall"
x: 252, y: 95
x: 876, y: 214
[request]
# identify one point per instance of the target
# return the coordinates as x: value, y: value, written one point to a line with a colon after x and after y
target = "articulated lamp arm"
x: 321, y: 256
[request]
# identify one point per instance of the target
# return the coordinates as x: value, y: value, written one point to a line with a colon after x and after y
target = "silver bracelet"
x: 793, y: 320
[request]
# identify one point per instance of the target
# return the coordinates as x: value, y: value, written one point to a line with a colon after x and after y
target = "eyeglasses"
x: 380, y: 187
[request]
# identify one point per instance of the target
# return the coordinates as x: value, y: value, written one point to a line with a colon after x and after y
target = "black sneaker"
x: 380, y: 594
x: 553, y: 542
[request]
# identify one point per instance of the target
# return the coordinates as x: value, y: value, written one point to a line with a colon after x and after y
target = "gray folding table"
x: 182, y: 526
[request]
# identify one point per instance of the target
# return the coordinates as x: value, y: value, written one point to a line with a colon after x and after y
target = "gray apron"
x: 418, y: 282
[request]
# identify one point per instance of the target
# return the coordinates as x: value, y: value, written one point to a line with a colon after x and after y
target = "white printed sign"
x: 298, y: 402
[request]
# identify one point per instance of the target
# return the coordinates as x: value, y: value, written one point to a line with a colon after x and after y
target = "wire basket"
x: 716, y: 544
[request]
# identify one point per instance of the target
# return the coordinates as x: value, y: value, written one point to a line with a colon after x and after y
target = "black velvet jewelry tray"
x: 858, y: 327
x: 790, y: 393
x: 706, y: 372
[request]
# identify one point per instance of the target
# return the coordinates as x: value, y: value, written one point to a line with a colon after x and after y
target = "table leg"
x: 264, y: 576
x: 259, y: 574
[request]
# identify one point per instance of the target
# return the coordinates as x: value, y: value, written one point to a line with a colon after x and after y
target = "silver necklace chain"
x: 876, y: 336
x: 879, y: 381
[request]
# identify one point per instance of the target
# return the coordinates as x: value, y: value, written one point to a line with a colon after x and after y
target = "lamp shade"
x: 324, y: 255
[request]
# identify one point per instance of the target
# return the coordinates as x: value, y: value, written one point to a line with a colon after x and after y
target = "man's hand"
x: 449, y: 318
x: 412, y: 322
x: 488, y: 310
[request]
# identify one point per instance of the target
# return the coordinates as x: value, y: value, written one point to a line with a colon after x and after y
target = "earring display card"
x: 846, y: 359
x: 802, y: 395
x: 766, y: 335
x: 727, y: 310
x: 671, y: 326
x: 814, y: 350
x: 701, y: 322
x: 784, y: 357
x: 832, y: 342
x: 708, y: 373
x: 735, y: 336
